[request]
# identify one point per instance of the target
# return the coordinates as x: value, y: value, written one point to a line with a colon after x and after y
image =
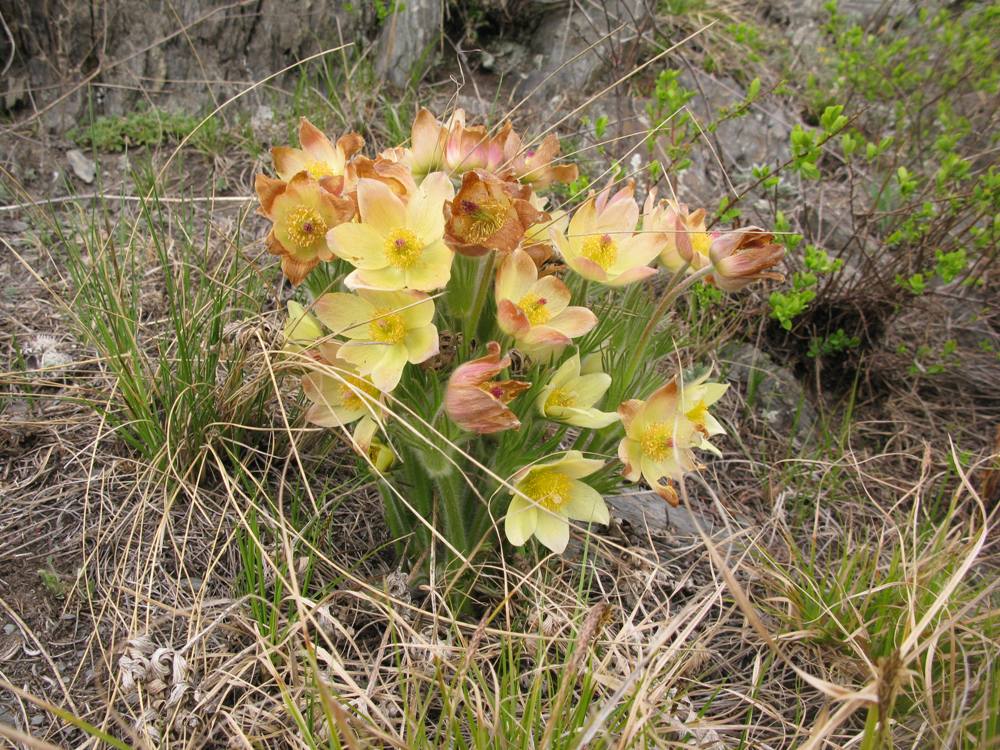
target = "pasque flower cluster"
x: 399, y: 220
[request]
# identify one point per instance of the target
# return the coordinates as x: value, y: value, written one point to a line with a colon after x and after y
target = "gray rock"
x: 772, y: 392
x: 648, y: 511
x: 563, y: 63
x: 82, y: 167
x: 409, y: 39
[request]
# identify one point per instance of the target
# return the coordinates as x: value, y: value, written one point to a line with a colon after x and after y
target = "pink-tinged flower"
x: 318, y: 157
x: 535, y: 311
x: 393, y: 174
x: 339, y: 393
x: 397, y: 245
x: 743, y: 256
x: 685, y: 238
x: 602, y: 244
x: 547, y: 495
x: 534, y: 165
x: 472, y: 147
x: 302, y: 212
x: 696, y: 397
x: 475, y: 401
x: 427, y: 145
x: 386, y: 330
x: 489, y: 214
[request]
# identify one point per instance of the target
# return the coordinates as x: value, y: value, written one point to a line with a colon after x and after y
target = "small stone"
x: 9, y: 628
x: 82, y: 167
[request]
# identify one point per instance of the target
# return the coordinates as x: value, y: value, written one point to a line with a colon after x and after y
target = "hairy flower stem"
x: 483, y: 283
x: 670, y: 294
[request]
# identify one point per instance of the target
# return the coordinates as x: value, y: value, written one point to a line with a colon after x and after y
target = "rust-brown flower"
x: 489, y: 214
x: 478, y: 403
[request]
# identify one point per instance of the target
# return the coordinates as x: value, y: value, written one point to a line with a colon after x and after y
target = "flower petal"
x: 345, y: 314
x: 433, y: 269
x: 387, y: 279
x: 425, y: 212
x: 358, y: 244
x: 389, y: 369
x: 520, y: 521
x: 555, y: 293
x: 421, y: 343
x: 552, y: 530
x: 379, y: 206
x: 574, y: 321
x: 516, y: 276
x: 586, y: 504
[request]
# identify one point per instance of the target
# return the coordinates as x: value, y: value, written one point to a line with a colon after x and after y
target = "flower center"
x: 657, y: 441
x: 560, y: 397
x: 547, y: 487
x: 700, y: 242
x: 402, y: 248
x: 318, y: 169
x: 350, y: 398
x: 487, y: 218
x: 387, y: 328
x: 698, y: 413
x: 602, y: 250
x: 534, y: 309
x: 305, y: 227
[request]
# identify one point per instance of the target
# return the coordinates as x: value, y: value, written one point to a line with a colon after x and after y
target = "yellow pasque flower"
x: 661, y: 433
x: 386, y: 330
x: 397, y: 245
x: 535, y: 311
x: 339, y: 393
x: 572, y: 392
x: 550, y: 493
x: 602, y: 245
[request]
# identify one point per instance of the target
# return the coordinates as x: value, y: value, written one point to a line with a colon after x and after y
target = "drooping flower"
x: 535, y: 311
x: 489, y: 214
x: 475, y: 401
x: 658, y: 441
x: 685, y: 238
x: 548, y: 495
x: 367, y: 443
x: 318, y: 157
x: 301, y: 330
x: 602, y: 244
x: 386, y: 330
x: 743, y: 256
x: 397, y: 245
x: 339, y: 393
x: 302, y: 212
x: 572, y: 392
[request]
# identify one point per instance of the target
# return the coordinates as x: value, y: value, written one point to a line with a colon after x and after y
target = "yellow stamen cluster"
x: 657, y: 441
x: 560, y: 397
x: 698, y: 413
x: 534, y: 309
x: 387, y: 328
x: 550, y: 489
x: 602, y: 250
x: 402, y: 248
x: 700, y: 242
x: 305, y: 227
x: 350, y: 398
x: 487, y: 218
x: 319, y: 169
